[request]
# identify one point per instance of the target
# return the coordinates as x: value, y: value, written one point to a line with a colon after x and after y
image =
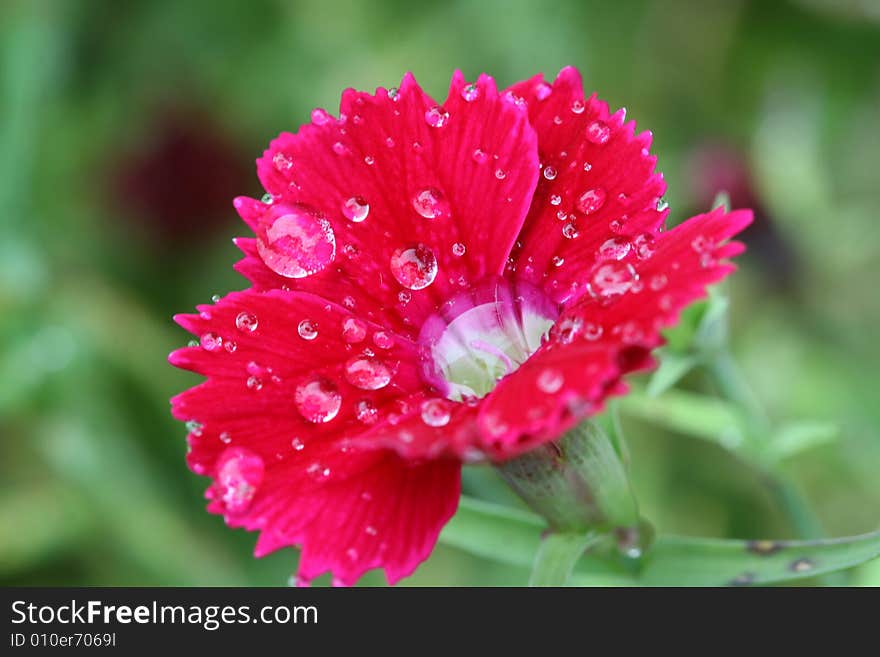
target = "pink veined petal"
x: 597, y: 189
x: 441, y: 183
x: 598, y: 340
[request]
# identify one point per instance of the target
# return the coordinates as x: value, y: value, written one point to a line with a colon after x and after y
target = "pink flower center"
x: 482, y: 335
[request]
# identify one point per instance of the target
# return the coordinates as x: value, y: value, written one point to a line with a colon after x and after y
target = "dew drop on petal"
x: 307, y: 329
x: 254, y: 382
x: 366, y: 412
x: 436, y: 412
x: 430, y: 203
x: 542, y: 90
x: 356, y: 209
x: 615, y: 248
x: 658, y: 282
x: 611, y: 279
x: 570, y: 231
x: 555, y: 199
x: 297, y: 444
x: 479, y: 156
x: 225, y: 437
x: 382, y: 340
x: 591, y: 200
x: 592, y: 332
x: 317, y: 400
x: 414, y: 267
x: 644, y: 245
x: 458, y: 249
x: 353, y: 330
x: 436, y: 117
x: 470, y: 93
x: 550, y: 381
x: 246, y: 322
x: 550, y: 172
x: 598, y: 132
x: 501, y: 174
x: 320, y: 116
x: 210, y: 341
x: 282, y: 162
x: 367, y: 373
x: 297, y: 242
x: 239, y: 475
x: 578, y: 106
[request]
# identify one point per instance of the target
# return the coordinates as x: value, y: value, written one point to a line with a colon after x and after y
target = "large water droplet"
x: 550, y: 172
x: 307, y: 329
x: 246, y: 322
x: 611, y: 279
x: 591, y: 200
x: 210, y: 341
x: 430, y: 203
x: 598, y: 132
x: 296, y: 242
x: 614, y: 249
x: 353, y: 330
x: 317, y: 400
x: 414, y: 267
x: 383, y: 340
x: 436, y: 117
x: 239, y: 475
x: 470, y: 93
x: 436, y: 412
x: 550, y: 381
x: 356, y: 209
x: 367, y: 373
x: 644, y: 245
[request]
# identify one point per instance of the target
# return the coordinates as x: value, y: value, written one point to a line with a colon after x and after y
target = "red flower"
x: 432, y: 284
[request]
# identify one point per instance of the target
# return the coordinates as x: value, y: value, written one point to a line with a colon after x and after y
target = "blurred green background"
x: 126, y: 128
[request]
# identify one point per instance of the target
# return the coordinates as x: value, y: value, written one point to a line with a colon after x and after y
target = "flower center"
x: 482, y: 335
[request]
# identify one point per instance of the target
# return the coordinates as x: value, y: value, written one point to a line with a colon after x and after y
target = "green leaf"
x: 680, y: 561
x: 794, y: 438
x: 558, y: 554
x: 512, y: 536
x: 673, y: 366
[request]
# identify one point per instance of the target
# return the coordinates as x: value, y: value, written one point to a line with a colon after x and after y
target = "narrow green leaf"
x: 680, y: 561
x: 558, y: 554
x: 673, y: 366
x: 792, y: 439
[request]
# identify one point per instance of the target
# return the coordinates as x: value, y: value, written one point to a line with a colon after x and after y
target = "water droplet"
x: 578, y: 106
x: 598, y: 132
x: 394, y: 94
x: 239, y: 475
x: 550, y: 172
x: 614, y: 249
x: 501, y: 174
x: 591, y: 200
x: 372, y: 531
x: 230, y: 346
x: 588, y: 166
x: 611, y: 279
x: 246, y: 322
x: 369, y: 160
x: 356, y: 209
x: 297, y: 242
x: 430, y: 203
x: 592, y: 332
x: 644, y: 245
x: 366, y: 412
x: 542, y: 91
x: 436, y: 117
x: 382, y: 340
x: 570, y: 231
x: 267, y: 198
x: 225, y: 437
x: 555, y: 199
x: 317, y: 400
x: 211, y: 341
x: 340, y: 149
x: 215, y: 298
x: 367, y: 373
x: 480, y: 156
x: 436, y: 412
x: 414, y: 267
x: 557, y: 261
x: 320, y: 116
x: 297, y: 444
x: 658, y: 282
x: 307, y: 329
x: 550, y: 381
x: 404, y: 296
x: 470, y: 93
x: 353, y: 330
x: 254, y: 383
x: 282, y: 162
x: 194, y: 427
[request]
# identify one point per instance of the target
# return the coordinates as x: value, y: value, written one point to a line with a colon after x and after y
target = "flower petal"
x: 397, y: 173
x: 282, y: 461
x: 597, y: 184
x: 599, y: 339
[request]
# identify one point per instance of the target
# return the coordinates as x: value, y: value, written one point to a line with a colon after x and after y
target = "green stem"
x: 555, y: 559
